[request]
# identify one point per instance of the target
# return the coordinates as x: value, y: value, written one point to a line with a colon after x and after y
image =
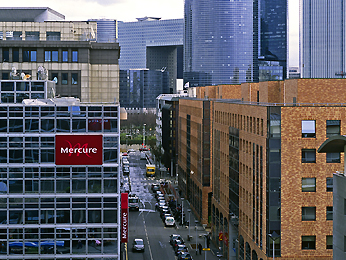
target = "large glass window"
x: 5, y: 54
x: 308, y: 156
x: 308, y: 184
x: 308, y: 213
x: 75, y: 56
x: 333, y: 127
x: 65, y: 56
x: 329, y: 242
x: 74, y: 78
x: 53, y: 36
x: 308, y: 129
x: 29, y: 55
x: 64, y: 78
x: 308, y: 242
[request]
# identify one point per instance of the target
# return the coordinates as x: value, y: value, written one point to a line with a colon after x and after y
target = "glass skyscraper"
x: 322, y: 39
x: 224, y: 40
x: 154, y: 44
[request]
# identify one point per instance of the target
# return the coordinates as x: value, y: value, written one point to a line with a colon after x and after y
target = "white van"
x: 169, y: 222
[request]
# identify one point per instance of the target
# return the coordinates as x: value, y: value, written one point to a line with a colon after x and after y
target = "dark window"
x: 47, y: 56
x: 329, y: 242
x: 74, y: 78
x: 5, y: 55
x: 32, y: 36
x: 330, y: 184
x: 333, y: 157
x: 308, y: 184
x: 308, y: 129
x: 65, y: 56
x: 74, y: 56
x: 53, y: 36
x: 64, y: 78
x: 308, y: 242
x: 333, y: 127
x: 15, y: 54
x: 329, y: 215
x: 308, y: 213
x: 29, y: 55
x: 308, y: 156
x: 5, y: 75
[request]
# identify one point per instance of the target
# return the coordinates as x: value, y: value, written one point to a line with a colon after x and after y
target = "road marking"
x: 146, y: 235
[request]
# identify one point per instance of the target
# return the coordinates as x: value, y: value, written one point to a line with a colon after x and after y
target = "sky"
x: 129, y: 10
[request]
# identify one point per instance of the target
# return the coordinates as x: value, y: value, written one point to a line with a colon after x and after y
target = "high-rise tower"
x: 322, y: 38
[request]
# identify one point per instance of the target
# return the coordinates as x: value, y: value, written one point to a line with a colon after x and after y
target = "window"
x: 65, y: 56
x: 333, y: 127
x: 333, y: 157
x: 29, y: 55
x: 308, y: 213
x: 308, y: 156
x: 308, y: 129
x: 15, y: 54
x: 308, y: 184
x: 330, y: 184
x: 32, y: 36
x: 53, y: 36
x: 308, y: 242
x: 5, y: 55
x: 329, y: 211
x: 74, y: 78
x: 64, y: 78
x: 74, y: 56
x: 329, y: 242
x: 51, y: 56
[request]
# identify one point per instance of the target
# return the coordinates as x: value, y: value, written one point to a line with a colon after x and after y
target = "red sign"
x: 124, y: 217
x: 78, y: 149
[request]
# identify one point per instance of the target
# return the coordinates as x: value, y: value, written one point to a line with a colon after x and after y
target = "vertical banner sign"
x: 124, y: 217
x: 78, y: 149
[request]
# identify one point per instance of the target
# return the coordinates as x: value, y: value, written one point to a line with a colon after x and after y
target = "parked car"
x: 174, y: 237
x: 169, y: 222
x: 180, y: 248
x: 138, y: 245
x: 184, y: 256
x: 177, y: 242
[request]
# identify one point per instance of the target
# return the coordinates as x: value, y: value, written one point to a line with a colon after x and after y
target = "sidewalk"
x: 201, y: 232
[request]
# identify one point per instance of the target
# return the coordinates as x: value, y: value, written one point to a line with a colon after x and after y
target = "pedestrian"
x: 200, y: 248
x: 80, y: 245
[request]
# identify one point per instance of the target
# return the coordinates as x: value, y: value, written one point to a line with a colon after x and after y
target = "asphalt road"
x: 146, y: 223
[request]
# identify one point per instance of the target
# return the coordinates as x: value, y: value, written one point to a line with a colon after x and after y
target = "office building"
x: 68, y: 51
x: 154, y: 44
x: 139, y: 88
x: 106, y: 30
x: 59, y: 159
x: 31, y: 14
x: 262, y: 178
x: 322, y: 39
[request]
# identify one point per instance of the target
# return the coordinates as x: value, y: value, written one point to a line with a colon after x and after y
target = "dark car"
x: 176, y: 243
x: 180, y: 248
x: 184, y: 256
x: 174, y: 237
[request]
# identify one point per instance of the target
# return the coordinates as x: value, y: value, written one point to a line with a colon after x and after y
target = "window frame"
x: 308, y: 129
x: 328, y: 212
x: 314, y: 186
x: 332, y: 158
x: 331, y: 125
x: 314, y: 243
x: 305, y: 213
x: 305, y: 152
x: 330, y: 179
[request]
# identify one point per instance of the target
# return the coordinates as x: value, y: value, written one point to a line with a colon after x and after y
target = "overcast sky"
x: 129, y: 10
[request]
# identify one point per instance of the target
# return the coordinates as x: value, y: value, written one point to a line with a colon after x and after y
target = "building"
x: 224, y: 41
x: 59, y: 187
x: 68, y: 51
x: 294, y: 73
x: 322, y: 40
x: 262, y: 179
x: 139, y: 88
x: 339, y: 210
x: 154, y: 44
x: 106, y: 30
x: 167, y: 111
x: 31, y: 14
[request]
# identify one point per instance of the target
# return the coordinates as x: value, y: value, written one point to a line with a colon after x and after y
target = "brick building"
x: 265, y: 173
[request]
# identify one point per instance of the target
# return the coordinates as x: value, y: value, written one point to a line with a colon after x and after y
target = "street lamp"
x: 196, y: 222
x: 182, y: 211
x: 274, y: 236
x: 144, y: 135
x: 189, y: 210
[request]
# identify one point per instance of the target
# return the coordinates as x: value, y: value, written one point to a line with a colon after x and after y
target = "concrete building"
x: 154, y: 44
x: 322, y: 40
x: 106, y: 30
x: 68, y: 51
x: 262, y: 174
x: 59, y: 161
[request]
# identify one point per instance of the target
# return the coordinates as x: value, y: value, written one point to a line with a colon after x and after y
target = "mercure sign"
x: 78, y: 149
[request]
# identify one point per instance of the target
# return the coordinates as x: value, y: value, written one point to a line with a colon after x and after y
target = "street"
x: 147, y: 224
